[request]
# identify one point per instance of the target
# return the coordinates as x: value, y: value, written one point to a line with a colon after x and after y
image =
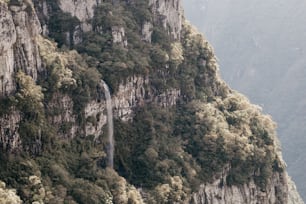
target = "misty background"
x: 261, y: 48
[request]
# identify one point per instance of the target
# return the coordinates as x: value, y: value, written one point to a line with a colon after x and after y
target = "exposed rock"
x: 18, y: 51
x: 26, y: 54
x: 64, y: 119
x: 77, y: 35
x: 168, y: 98
x: 9, y: 136
x: 62, y: 116
x: 18, y: 47
x: 7, y: 32
x: 134, y: 92
x: 129, y: 95
x: 170, y: 14
x: 83, y: 10
x: 7, y: 72
x: 7, y: 40
x: 147, y: 29
x: 219, y: 193
x: 118, y: 34
x: 43, y: 10
x: 95, y: 118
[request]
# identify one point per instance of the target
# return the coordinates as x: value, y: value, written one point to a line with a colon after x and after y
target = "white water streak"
x: 110, y: 126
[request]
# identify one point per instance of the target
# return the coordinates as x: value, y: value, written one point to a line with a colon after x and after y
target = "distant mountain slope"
x: 261, y: 48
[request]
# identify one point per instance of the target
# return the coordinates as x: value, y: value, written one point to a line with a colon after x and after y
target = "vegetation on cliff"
x: 8, y: 195
x: 167, y: 152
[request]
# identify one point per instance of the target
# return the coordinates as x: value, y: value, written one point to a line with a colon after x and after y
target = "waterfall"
x: 110, y: 126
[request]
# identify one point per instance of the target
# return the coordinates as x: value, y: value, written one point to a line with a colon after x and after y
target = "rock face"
x: 135, y: 92
x: 129, y: 95
x: 8, y: 33
x: 217, y: 193
x: 83, y: 10
x: 96, y: 119
x: 9, y: 136
x: 18, y: 51
x: 275, y: 192
x: 63, y: 116
x: 147, y: 30
x: 168, y: 98
x: 18, y: 47
x: 27, y: 27
x: 118, y: 34
x: 7, y: 40
x: 170, y: 14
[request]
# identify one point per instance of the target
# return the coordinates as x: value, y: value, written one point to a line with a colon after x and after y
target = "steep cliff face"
x: 83, y: 10
x: 8, y: 38
x: 19, y: 51
x: 170, y: 14
x: 165, y: 90
x: 219, y: 193
x: 167, y: 13
x: 136, y: 92
x: 9, y: 136
x: 63, y: 117
x: 20, y: 27
x: 27, y: 27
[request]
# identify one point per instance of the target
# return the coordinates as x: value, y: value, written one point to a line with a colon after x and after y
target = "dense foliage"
x: 8, y: 195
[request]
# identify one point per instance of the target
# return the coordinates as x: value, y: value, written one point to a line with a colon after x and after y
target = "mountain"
x: 261, y: 49
x: 121, y: 102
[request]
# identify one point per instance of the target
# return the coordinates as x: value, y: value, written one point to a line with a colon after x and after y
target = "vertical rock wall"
x: 219, y: 193
x: 19, y: 28
x: 82, y: 9
x: 26, y: 54
x: 170, y: 14
x: 7, y: 40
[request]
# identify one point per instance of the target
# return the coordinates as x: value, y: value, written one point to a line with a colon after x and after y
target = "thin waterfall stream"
x: 110, y: 126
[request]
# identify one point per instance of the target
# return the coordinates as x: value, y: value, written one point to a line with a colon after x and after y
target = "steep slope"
x: 181, y: 135
x: 261, y: 50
